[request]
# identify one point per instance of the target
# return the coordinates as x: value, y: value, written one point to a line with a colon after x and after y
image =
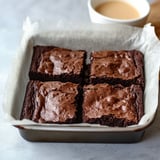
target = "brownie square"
x: 113, y: 67
x: 51, y: 102
x: 59, y: 64
x: 112, y: 105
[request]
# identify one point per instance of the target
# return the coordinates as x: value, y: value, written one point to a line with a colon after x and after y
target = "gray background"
x: 12, y: 146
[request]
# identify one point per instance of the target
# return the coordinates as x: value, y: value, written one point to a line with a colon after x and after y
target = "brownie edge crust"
x: 112, y: 105
x: 51, y: 102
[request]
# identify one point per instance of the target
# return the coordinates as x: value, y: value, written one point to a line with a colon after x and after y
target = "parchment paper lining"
x: 90, y: 37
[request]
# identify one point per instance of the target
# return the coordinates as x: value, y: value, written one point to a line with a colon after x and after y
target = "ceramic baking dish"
x: 93, y: 38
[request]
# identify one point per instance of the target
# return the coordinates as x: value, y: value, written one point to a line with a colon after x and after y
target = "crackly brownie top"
x: 54, y: 101
x: 105, y: 99
x: 116, y: 64
x: 59, y: 61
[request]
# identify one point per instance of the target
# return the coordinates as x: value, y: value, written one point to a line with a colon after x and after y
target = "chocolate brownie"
x: 124, y: 67
x: 51, y: 102
x: 59, y: 64
x: 112, y: 105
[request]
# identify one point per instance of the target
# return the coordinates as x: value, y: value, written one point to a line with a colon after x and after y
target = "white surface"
x: 12, y: 146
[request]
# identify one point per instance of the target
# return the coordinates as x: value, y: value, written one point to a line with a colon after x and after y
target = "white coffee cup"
x: 142, y: 6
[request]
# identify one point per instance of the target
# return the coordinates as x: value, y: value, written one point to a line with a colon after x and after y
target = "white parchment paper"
x: 90, y: 37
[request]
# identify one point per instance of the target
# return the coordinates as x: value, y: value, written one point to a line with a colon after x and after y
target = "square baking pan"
x: 93, y: 38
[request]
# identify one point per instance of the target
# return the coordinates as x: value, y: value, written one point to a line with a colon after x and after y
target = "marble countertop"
x: 12, y: 145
